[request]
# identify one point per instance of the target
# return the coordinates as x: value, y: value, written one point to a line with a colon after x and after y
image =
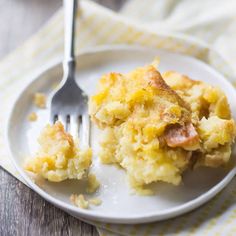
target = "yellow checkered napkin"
x: 99, y: 26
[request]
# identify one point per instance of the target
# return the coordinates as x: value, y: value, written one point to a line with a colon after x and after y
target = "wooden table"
x: 23, y: 212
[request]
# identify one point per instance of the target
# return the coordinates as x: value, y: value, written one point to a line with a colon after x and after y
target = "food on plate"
x: 156, y: 126
x: 93, y: 184
x: 59, y: 157
x: 32, y: 117
x: 79, y: 201
x: 40, y: 100
x: 95, y: 201
x: 211, y: 116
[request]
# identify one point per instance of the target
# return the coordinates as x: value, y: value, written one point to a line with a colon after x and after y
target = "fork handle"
x: 70, y: 7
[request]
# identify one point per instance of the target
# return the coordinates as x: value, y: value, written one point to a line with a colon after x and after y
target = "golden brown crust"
x: 181, y: 136
x: 178, y: 81
x: 155, y: 79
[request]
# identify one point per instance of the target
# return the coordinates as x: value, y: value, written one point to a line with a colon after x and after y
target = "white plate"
x: 119, y: 206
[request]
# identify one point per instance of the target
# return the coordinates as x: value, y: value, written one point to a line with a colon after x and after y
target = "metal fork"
x: 69, y: 103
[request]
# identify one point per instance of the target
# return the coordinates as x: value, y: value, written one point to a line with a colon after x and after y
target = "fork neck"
x: 69, y: 68
x: 70, y: 9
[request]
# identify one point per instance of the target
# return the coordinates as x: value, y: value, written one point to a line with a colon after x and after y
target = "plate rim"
x: 89, y: 214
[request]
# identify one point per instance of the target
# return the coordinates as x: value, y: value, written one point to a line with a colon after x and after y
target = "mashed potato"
x: 59, y: 158
x: 155, y: 125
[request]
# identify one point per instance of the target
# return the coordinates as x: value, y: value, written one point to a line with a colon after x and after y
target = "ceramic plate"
x: 119, y: 204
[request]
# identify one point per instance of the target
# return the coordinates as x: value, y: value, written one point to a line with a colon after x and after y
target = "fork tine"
x: 68, y: 123
x: 63, y: 120
x: 74, y: 126
x: 85, y: 129
x: 53, y: 118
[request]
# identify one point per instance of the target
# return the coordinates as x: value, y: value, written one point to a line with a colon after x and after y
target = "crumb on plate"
x: 40, y: 100
x: 32, y: 116
x: 93, y: 184
x: 95, y: 201
x: 79, y: 201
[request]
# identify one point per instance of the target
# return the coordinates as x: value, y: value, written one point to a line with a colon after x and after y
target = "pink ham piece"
x: 181, y: 136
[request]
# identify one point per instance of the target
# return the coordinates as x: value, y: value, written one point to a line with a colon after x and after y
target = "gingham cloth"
x: 168, y: 24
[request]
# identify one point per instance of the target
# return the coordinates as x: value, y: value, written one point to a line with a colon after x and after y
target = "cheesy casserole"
x: 156, y: 126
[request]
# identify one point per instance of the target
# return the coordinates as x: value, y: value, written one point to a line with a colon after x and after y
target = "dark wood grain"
x: 22, y: 211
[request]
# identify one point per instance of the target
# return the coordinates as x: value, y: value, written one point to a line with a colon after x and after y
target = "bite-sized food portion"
x: 154, y: 126
x: 59, y: 157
